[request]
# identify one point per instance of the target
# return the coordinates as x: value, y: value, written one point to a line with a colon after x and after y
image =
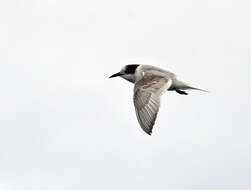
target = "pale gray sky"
x: 65, y: 126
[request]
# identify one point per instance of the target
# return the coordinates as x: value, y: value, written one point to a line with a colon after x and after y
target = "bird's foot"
x: 181, y: 92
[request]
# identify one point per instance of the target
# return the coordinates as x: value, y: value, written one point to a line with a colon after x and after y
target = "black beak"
x: 116, y: 75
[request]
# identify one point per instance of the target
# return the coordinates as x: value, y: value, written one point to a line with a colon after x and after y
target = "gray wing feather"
x: 147, y: 93
x: 159, y: 71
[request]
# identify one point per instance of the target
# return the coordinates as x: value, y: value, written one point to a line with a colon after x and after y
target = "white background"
x: 64, y: 125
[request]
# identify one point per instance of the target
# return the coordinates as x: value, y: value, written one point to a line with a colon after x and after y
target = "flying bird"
x: 149, y: 84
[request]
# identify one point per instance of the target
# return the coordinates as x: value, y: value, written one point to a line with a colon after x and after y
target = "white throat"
x: 129, y: 77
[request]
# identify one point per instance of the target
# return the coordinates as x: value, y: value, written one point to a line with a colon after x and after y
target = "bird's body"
x: 150, y: 83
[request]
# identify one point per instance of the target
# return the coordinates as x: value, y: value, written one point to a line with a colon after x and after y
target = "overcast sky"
x: 65, y: 126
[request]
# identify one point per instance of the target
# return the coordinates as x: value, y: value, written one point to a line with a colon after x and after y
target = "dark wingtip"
x: 149, y: 133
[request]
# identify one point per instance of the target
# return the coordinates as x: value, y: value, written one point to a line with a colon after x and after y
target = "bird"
x: 150, y: 83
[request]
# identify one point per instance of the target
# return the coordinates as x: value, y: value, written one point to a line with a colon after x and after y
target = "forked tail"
x: 180, y: 85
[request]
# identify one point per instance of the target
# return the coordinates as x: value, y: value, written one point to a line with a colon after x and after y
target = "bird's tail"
x: 177, y: 84
x: 193, y: 88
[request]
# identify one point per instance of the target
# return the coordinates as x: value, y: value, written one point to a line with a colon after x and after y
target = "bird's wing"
x: 147, y: 92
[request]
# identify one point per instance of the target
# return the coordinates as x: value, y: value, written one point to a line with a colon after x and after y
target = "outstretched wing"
x: 147, y: 92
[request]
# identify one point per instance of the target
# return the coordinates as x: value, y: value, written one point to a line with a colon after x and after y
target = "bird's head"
x: 127, y: 72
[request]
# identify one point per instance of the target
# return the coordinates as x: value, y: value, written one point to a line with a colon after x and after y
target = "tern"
x: 150, y: 83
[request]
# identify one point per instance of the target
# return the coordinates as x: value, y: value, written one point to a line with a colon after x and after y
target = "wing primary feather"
x: 147, y: 93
